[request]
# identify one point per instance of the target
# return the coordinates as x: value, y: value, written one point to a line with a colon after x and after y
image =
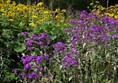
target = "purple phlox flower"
x: 48, y: 39
x: 105, y: 18
x: 23, y: 74
x: 40, y: 69
x: 68, y: 30
x: 24, y: 34
x: 112, y: 20
x: 74, y: 39
x: 80, y: 22
x: 29, y: 42
x: 34, y: 35
x: 73, y: 48
x: 59, y: 47
x: 95, y: 28
x: 82, y: 15
x: 69, y: 61
x: 41, y: 35
x: 76, y: 31
x: 39, y: 59
x: 72, y: 21
x: 40, y: 42
x: 14, y: 70
x: 36, y: 38
x: 27, y: 59
x: 31, y: 48
x: 32, y: 75
x: 109, y: 29
x: 115, y: 36
x: 46, y: 57
x: 27, y: 66
x: 104, y: 36
x: 24, y: 60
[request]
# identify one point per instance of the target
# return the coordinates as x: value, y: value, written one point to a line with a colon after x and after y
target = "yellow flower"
x: 63, y: 10
x: 46, y: 12
x: 65, y: 25
x: 116, y: 5
x: 91, y: 4
x: 11, y: 20
x: 111, y: 15
x: 57, y: 16
x: 32, y: 24
x: 116, y: 16
x: 40, y: 4
x: 34, y: 16
x: 61, y: 21
x: 57, y: 10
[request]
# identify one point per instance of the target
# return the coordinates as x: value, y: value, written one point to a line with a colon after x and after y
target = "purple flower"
x: 14, y: 70
x: 40, y: 43
x: 39, y: 59
x: 48, y: 39
x: 115, y: 36
x: 72, y: 21
x: 74, y: 40
x: 25, y: 60
x: 67, y: 30
x: 24, y: 34
x: 73, y: 48
x: 80, y: 22
x: 111, y: 20
x: 69, y: 61
x: 27, y: 66
x: 29, y: 42
x: 59, y: 47
x: 41, y: 35
x: 23, y: 74
x: 32, y: 75
x: 31, y: 48
x: 40, y: 69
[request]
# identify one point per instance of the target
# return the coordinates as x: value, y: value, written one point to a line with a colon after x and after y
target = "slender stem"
x: 107, y: 5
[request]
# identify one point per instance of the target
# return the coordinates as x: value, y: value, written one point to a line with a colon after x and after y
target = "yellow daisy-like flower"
x: 116, y: 16
x: 11, y: 20
x: 40, y: 4
x: 34, y: 16
x: 57, y: 16
x: 57, y: 10
x: 46, y: 12
x: 63, y: 10
x: 111, y: 15
x: 32, y: 24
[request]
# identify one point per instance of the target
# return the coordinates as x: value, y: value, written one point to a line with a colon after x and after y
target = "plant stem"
x: 107, y: 5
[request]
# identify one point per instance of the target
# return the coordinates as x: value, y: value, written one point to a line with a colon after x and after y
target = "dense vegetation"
x: 42, y: 42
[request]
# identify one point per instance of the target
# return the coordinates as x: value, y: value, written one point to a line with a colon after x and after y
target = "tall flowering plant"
x: 94, y: 40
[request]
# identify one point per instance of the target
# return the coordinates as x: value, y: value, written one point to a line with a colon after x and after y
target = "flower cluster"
x: 69, y: 61
x: 87, y: 29
x: 59, y: 47
x: 33, y: 65
x: 41, y: 40
x: 110, y: 11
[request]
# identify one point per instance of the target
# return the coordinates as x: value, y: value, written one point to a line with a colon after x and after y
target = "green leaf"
x: 19, y: 47
x: 9, y: 77
x: 54, y: 37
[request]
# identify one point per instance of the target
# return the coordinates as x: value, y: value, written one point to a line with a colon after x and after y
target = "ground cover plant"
x: 41, y: 46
